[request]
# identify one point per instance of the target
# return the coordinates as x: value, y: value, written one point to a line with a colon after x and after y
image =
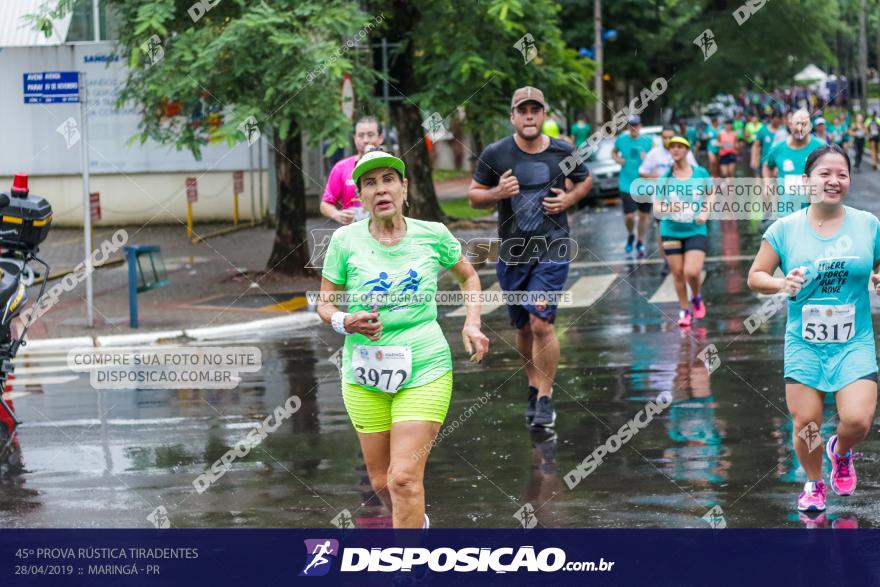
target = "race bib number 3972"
x: 828, y: 324
x: 385, y: 368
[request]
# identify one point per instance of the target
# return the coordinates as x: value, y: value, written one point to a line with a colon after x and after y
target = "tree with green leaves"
x: 234, y: 69
x: 656, y: 37
x: 277, y: 64
x: 450, y: 59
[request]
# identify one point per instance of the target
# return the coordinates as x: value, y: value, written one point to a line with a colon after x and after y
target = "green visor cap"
x: 376, y: 160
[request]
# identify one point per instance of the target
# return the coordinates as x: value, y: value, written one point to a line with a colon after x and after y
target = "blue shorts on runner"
x: 542, y: 276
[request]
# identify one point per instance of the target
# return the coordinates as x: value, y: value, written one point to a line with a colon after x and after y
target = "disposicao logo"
x: 319, y: 556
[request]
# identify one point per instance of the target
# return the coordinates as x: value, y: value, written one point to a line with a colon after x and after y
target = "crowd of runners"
x: 397, y: 369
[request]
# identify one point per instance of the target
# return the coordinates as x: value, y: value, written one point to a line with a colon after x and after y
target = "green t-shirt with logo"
x: 752, y: 129
x: 692, y: 192
x: 790, y: 164
x: 580, y: 133
x: 766, y: 136
x: 407, y: 274
x: 633, y: 150
x: 712, y: 135
x: 739, y: 126
x: 838, y: 133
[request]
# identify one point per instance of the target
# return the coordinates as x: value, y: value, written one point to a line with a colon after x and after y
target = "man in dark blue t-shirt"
x: 522, y: 174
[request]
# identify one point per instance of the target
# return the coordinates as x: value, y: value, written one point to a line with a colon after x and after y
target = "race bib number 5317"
x: 828, y: 324
x: 385, y: 368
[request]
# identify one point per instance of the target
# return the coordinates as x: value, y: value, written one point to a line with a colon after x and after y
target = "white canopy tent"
x: 810, y: 74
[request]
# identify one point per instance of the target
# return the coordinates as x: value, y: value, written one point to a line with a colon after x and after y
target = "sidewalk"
x: 215, y: 283
x: 452, y: 188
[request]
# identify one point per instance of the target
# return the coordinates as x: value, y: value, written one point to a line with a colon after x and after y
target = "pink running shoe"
x: 843, y: 473
x: 845, y: 522
x: 814, y: 520
x: 699, y: 307
x: 685, y: 318
x: 812, y: 498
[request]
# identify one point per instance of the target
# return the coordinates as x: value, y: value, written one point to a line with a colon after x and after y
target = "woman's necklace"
x: 822, y: 222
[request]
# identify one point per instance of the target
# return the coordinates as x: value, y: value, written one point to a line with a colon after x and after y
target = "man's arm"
x: 581, y: 189
x: 756, y: 153
x: 483, y: 196
x: 333, y: 213
x: 648, y: 169
x: 333, y: 197
x: 563, y: 200
x: 481, y: 192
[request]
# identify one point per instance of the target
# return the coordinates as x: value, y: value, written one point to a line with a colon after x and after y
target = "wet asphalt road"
x: 110, y: 458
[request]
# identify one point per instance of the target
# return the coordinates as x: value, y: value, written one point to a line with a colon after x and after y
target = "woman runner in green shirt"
x: 396, y: 364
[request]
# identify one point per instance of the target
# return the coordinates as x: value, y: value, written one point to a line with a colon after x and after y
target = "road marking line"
x: 41, y: 370
x: 666, y: 292
x: 11, y: 395
x: 630, y: 262
x: 291, y: 305
x: 586, y: 290
x: 57, y: 380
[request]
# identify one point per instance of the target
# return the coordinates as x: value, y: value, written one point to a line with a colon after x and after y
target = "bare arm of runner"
x: 333, y: 213
x: 483, y: 196
x: 875, y: 279
x: 475, y: 342
x: 563, y: 200
x: 756, y: 154
x: 761, y: 274
x: 366, y: 323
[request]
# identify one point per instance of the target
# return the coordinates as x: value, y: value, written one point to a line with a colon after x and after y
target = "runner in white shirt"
x: 658, y: 161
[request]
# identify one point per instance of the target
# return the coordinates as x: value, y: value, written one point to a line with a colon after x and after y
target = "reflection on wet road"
x: 110, y: 458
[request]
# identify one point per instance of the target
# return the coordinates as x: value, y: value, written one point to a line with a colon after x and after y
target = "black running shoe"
x: 530, y: 407
x: 545, y: 416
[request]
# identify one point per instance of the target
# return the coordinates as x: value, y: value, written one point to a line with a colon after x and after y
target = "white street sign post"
x: 66, y: 87
x: 87, y: 202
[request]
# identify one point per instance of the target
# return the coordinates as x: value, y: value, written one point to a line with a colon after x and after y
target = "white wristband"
x: 337, y: 321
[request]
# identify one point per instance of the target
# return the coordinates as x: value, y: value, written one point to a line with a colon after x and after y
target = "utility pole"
x: 863, y: 56
x: 597, y: 22
x: 96, y: 19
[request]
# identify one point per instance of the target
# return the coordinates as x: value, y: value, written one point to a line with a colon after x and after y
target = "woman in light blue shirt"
x: 828, y: 252
x: 683, y: 198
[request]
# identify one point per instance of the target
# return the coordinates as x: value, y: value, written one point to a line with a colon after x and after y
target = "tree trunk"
x: 290, y: 252
x: 408, y: 118
x: 478, y: 144
x: 422, y: 197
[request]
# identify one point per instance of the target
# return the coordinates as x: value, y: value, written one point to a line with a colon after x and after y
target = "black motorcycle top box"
x: 24, y: 223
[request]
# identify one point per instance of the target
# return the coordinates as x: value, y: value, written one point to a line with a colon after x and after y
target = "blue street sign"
x: 47, y: 87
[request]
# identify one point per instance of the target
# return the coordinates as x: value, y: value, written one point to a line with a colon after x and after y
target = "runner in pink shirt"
x: 340, y: 201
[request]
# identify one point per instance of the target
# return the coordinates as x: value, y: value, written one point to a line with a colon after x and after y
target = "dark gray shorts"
x: 870, y: 377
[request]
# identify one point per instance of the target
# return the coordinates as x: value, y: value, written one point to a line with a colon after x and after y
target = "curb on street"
x: 291, y: 321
